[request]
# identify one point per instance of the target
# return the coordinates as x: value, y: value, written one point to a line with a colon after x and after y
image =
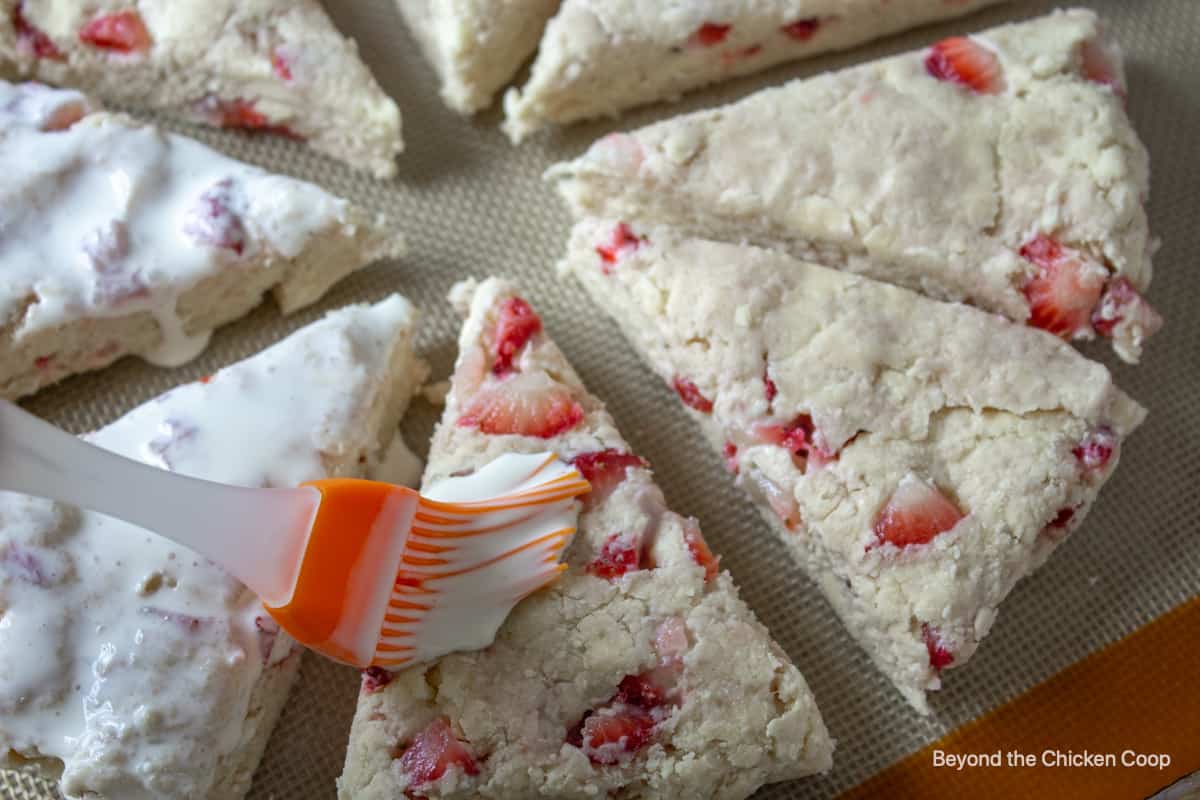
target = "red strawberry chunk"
x: 620, y: 242
x: 214, y: 220
x: 375, y: 678
x: 43, y: 362
x: 802, y: 29
x: 799, y: 437
x: 604, y: 470
x: 518, y: 324
x: 31, y: 38
x: 1122, y: 306
x: 965, y: 62
x: 1096, y: 449
x: 770, y: 387
x: 711, y: 33
x: 730, y: 454
x: 281, y: 65
x: 1065, y: 289
x: 621, y: 553
x: 915, y: 514
x: 122, y: 32
x: 612, y: 735
x: 698, y: 549
x: 526, y: 405
x: 939, y: 655
x: 690, y: 395
x: 433, y: 752
x: 641, y: 691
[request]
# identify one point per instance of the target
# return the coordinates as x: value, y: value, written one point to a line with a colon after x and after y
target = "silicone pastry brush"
x: 367, y: 573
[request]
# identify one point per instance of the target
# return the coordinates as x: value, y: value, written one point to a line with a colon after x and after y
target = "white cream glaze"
x: 110, y: 217
x: 128, y: 657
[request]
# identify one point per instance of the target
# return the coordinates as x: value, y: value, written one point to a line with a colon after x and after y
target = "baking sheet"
x: 471, y: 204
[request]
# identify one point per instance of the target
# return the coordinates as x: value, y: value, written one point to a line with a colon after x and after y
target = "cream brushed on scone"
x: 639, y: 674
x: 275, y: 66
x: 106, y: 628
x: 918, y: 457
x: 999, y: 169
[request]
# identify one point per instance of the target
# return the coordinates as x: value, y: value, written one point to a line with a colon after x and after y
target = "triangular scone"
x: 599, y: 57
x: 131, y: 666
x: 1024, y: 198
x: 476, y: 46
x: 119, y: 239
x: 278, y: 66
x: 918, y: 456
x: 638, y: 674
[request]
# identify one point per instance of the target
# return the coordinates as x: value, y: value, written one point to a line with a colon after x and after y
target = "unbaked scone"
x: 919, y: 457
x: 476, y: 46
x: 638, y: 674
x: 120, y: 238
x: 277, y: 66
x: 131, y: 668
x: 599, y: 57
x: 999, y: 169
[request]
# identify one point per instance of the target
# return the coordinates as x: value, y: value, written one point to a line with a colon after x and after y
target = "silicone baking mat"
x: 471, y: 204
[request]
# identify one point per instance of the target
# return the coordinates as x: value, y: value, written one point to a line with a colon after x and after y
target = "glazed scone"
x: 919, y: 457
x: 1000, y: 170
x: 638, y: 674
x: 476, y: 46
x: 277, y: 66
x: 599, y: 57
x: 131, y: 668
x: 120, y: 238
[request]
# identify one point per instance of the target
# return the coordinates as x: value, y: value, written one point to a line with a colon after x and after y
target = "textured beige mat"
x: 471, y: 204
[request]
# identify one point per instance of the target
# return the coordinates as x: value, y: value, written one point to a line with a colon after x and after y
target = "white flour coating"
x: 897, y: 391
x: 110, y: 217
x: 130, y: 659
x: 883, y: 170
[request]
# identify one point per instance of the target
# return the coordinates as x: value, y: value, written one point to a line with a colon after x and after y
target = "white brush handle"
x: 258, y: 535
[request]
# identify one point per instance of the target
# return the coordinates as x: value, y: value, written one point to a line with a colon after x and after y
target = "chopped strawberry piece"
x: 799, y: 437
x: 43, y: 362
x: 690, y: 395
x: 242, y: 115
x: 433, y: 751
x: 730, y: 453
x: 771, y: 389
x: 518, y: 324
x: 526, y: 405
x: 621, y: 553
x: 206, y: 379
x: 281, y: 65
x: 671, y: 641
x: 1062, y: 518
x: 1096, y: 449
x: 604, y: 470
x: 31, y: 38
x: 215, y: 220
x: 939, y: 656
x: 375, y: 678
x: 965, y: 62
x: 1123, y: 306
x: 915, y: 514
x: 620, y: 242
x: 1064, y: 291
x: 1096, y: 65
x: 122, y: 32
x: 802, y: 29
x: 612, y: 735
x: 711, y: 33
x: 641, y: 691
x: 782, y: 503
x: 698, y: 548
x: 732, y: 57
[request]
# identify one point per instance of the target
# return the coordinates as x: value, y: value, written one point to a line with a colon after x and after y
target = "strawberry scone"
x: 599, y: 57
x: 119, y: 239
x: 130, y: 667
x: 919, y: 457
x: 276, y: 66
x: 638, y: 674
x: 476, y: 46
x: 998, y: 169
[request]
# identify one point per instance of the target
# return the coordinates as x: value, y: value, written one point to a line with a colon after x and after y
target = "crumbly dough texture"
x: 747, y: 716
x: 897, y: 385
x: 599, y: 57
x: 206, y: 673
x: 476, y: 46
x: 66, y: 308
x: 954, y: 184
x: 211, y: 60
